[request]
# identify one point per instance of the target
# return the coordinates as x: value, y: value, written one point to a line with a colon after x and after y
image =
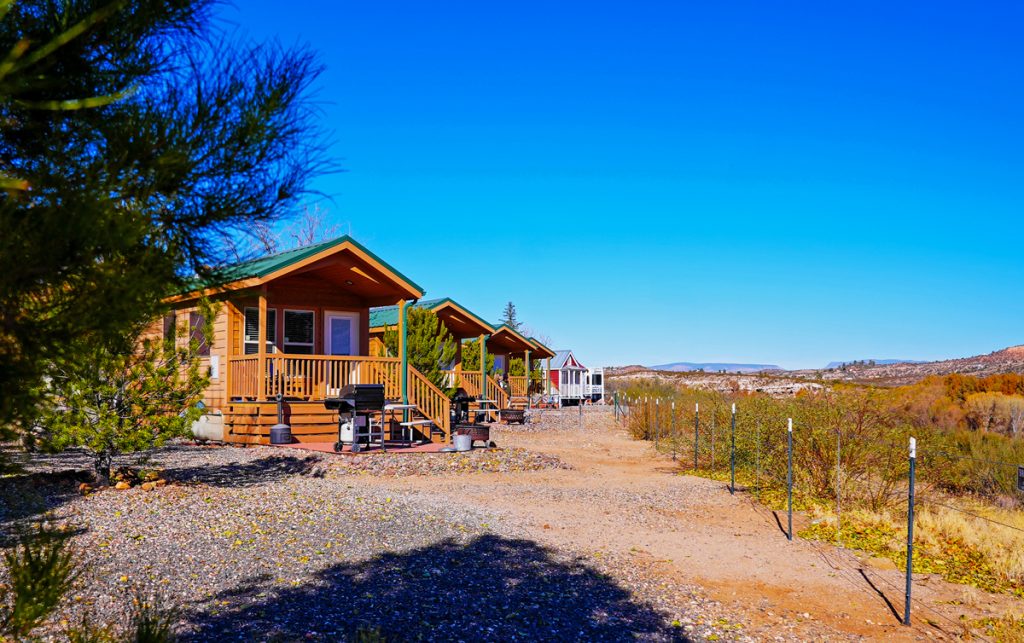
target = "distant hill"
x: 714, y: 367
x: 878, y: 362
x: 1008, y: 360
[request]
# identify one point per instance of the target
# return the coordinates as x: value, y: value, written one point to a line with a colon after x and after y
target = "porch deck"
x: 305, y: 381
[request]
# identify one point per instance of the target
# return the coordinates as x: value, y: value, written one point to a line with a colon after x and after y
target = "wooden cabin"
x: 506, y: 343
x: 297, y: 325
x: 461, y: 322
x: 544, y: 354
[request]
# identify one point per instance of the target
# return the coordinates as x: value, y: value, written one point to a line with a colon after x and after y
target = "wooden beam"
x: 403, y: 349
x: 526, y: 369
x: 262, y: 351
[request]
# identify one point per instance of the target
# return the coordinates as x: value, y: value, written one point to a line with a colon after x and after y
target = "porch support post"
x: 403, y: 348
x: 261, y: 353
x: 547, y: 379
x: 526, y: 364
x: 483, y: 366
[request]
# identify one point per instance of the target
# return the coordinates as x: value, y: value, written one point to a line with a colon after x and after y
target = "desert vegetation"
x: 850, y: 464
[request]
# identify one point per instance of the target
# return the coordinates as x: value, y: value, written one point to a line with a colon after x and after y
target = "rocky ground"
x: 570, y: 532
x: 261, y: 544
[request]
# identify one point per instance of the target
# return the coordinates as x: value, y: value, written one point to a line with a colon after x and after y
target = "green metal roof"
x: 388, y: 315
x: 267, y: 265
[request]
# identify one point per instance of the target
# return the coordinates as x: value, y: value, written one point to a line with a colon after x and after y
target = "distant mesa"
x: 875, y: 362
x: 714, y: 367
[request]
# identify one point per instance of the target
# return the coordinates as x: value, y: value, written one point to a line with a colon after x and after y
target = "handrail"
x: 470, y: 381
x: 313, y: 377
x: 496, y: 393
x: 430, y: 401
x: 517, y: 385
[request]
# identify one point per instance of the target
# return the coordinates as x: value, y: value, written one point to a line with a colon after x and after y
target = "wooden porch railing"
x: 469, y: 380
x: 517, y: 385
x: 496, y: 393
x: 431, y: 401
x: 311, y: 377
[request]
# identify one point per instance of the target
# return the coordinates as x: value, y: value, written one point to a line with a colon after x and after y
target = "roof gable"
x: 565, y: 359
x: 263, y: 269
x: 385, y: 316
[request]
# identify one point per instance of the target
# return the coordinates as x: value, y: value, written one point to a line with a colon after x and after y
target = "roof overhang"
x: 461, y: 322
x: 506, y: 340
x: 344, y: 264
x: 540, y: 350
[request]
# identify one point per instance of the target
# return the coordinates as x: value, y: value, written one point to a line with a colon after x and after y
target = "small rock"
x: 122, y: 485
x: 85, y: 489
x: 148, y: 486
x: 161, y: 482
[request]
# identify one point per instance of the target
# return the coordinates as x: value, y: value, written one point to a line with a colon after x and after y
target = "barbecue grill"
x: 460, y: 406
x: 360, y: 402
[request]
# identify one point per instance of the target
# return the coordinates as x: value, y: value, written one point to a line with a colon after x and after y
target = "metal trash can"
x: 463, y: 442
x: 280, y: 434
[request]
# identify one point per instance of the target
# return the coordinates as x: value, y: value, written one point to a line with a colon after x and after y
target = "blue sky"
x: 783, y: 183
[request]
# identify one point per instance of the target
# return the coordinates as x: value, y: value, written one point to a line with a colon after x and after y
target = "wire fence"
x: 841, y: 470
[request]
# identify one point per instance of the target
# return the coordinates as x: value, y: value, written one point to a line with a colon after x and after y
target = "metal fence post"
x: 732, y: 452
x: 789, y: 479
x: 910, y: 530
x: 657, y: 421
x: 696, y: 432
x: 672, y: 430
x: 616, y: 398
x: 757, y: 460
x: 839, y: 461
x: 714, y: 414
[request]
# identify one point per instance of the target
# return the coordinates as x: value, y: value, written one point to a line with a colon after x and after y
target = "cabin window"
x: 251, y: 341
x: 170, y: 327
x: 196, y: 326
x: 298, y: 332
x: 596, y: 379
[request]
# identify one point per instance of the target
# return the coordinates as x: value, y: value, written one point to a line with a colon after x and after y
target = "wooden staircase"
x: 496, y: 393
x: 432, y: 404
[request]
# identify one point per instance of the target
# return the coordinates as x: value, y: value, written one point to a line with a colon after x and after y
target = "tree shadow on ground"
x: 30, y: 496
x: 246, y: 474
x: 491, y: 588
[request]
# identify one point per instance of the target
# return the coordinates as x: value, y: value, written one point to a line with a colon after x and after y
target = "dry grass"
x: 1001, y: 546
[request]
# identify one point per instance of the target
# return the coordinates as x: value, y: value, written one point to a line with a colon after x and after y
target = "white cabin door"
x: 341, y: 333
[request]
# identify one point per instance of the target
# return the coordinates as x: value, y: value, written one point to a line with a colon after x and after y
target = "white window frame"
x: 284, y: 329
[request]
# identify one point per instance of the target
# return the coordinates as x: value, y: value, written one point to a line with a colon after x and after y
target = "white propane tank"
x: 209, y: 427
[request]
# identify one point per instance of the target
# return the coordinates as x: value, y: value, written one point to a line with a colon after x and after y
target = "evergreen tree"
x: 471, y: 357
x: 516, y: 367
x: 129, y: 398
x: 430, y: 346
x: 133, y: 141
x: 508, y: 317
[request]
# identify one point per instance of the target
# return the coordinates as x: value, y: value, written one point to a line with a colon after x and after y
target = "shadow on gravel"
x: 246, y: 474
x: 28, y: 497
x: 492, y: 589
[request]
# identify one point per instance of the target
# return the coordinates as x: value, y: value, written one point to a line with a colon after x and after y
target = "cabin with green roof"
x: 297, y: 325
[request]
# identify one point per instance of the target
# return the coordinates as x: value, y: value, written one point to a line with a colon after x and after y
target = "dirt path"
x: 621, y: 499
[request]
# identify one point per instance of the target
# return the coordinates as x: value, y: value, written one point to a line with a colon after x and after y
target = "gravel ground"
x: 254, y: 544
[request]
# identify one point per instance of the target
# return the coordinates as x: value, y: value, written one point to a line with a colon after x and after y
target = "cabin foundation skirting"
x: 250, y: 422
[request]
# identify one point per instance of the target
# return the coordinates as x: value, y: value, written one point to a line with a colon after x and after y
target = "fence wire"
x: 877, y: 478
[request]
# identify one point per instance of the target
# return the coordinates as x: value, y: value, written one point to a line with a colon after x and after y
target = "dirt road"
x: 620, y: 499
